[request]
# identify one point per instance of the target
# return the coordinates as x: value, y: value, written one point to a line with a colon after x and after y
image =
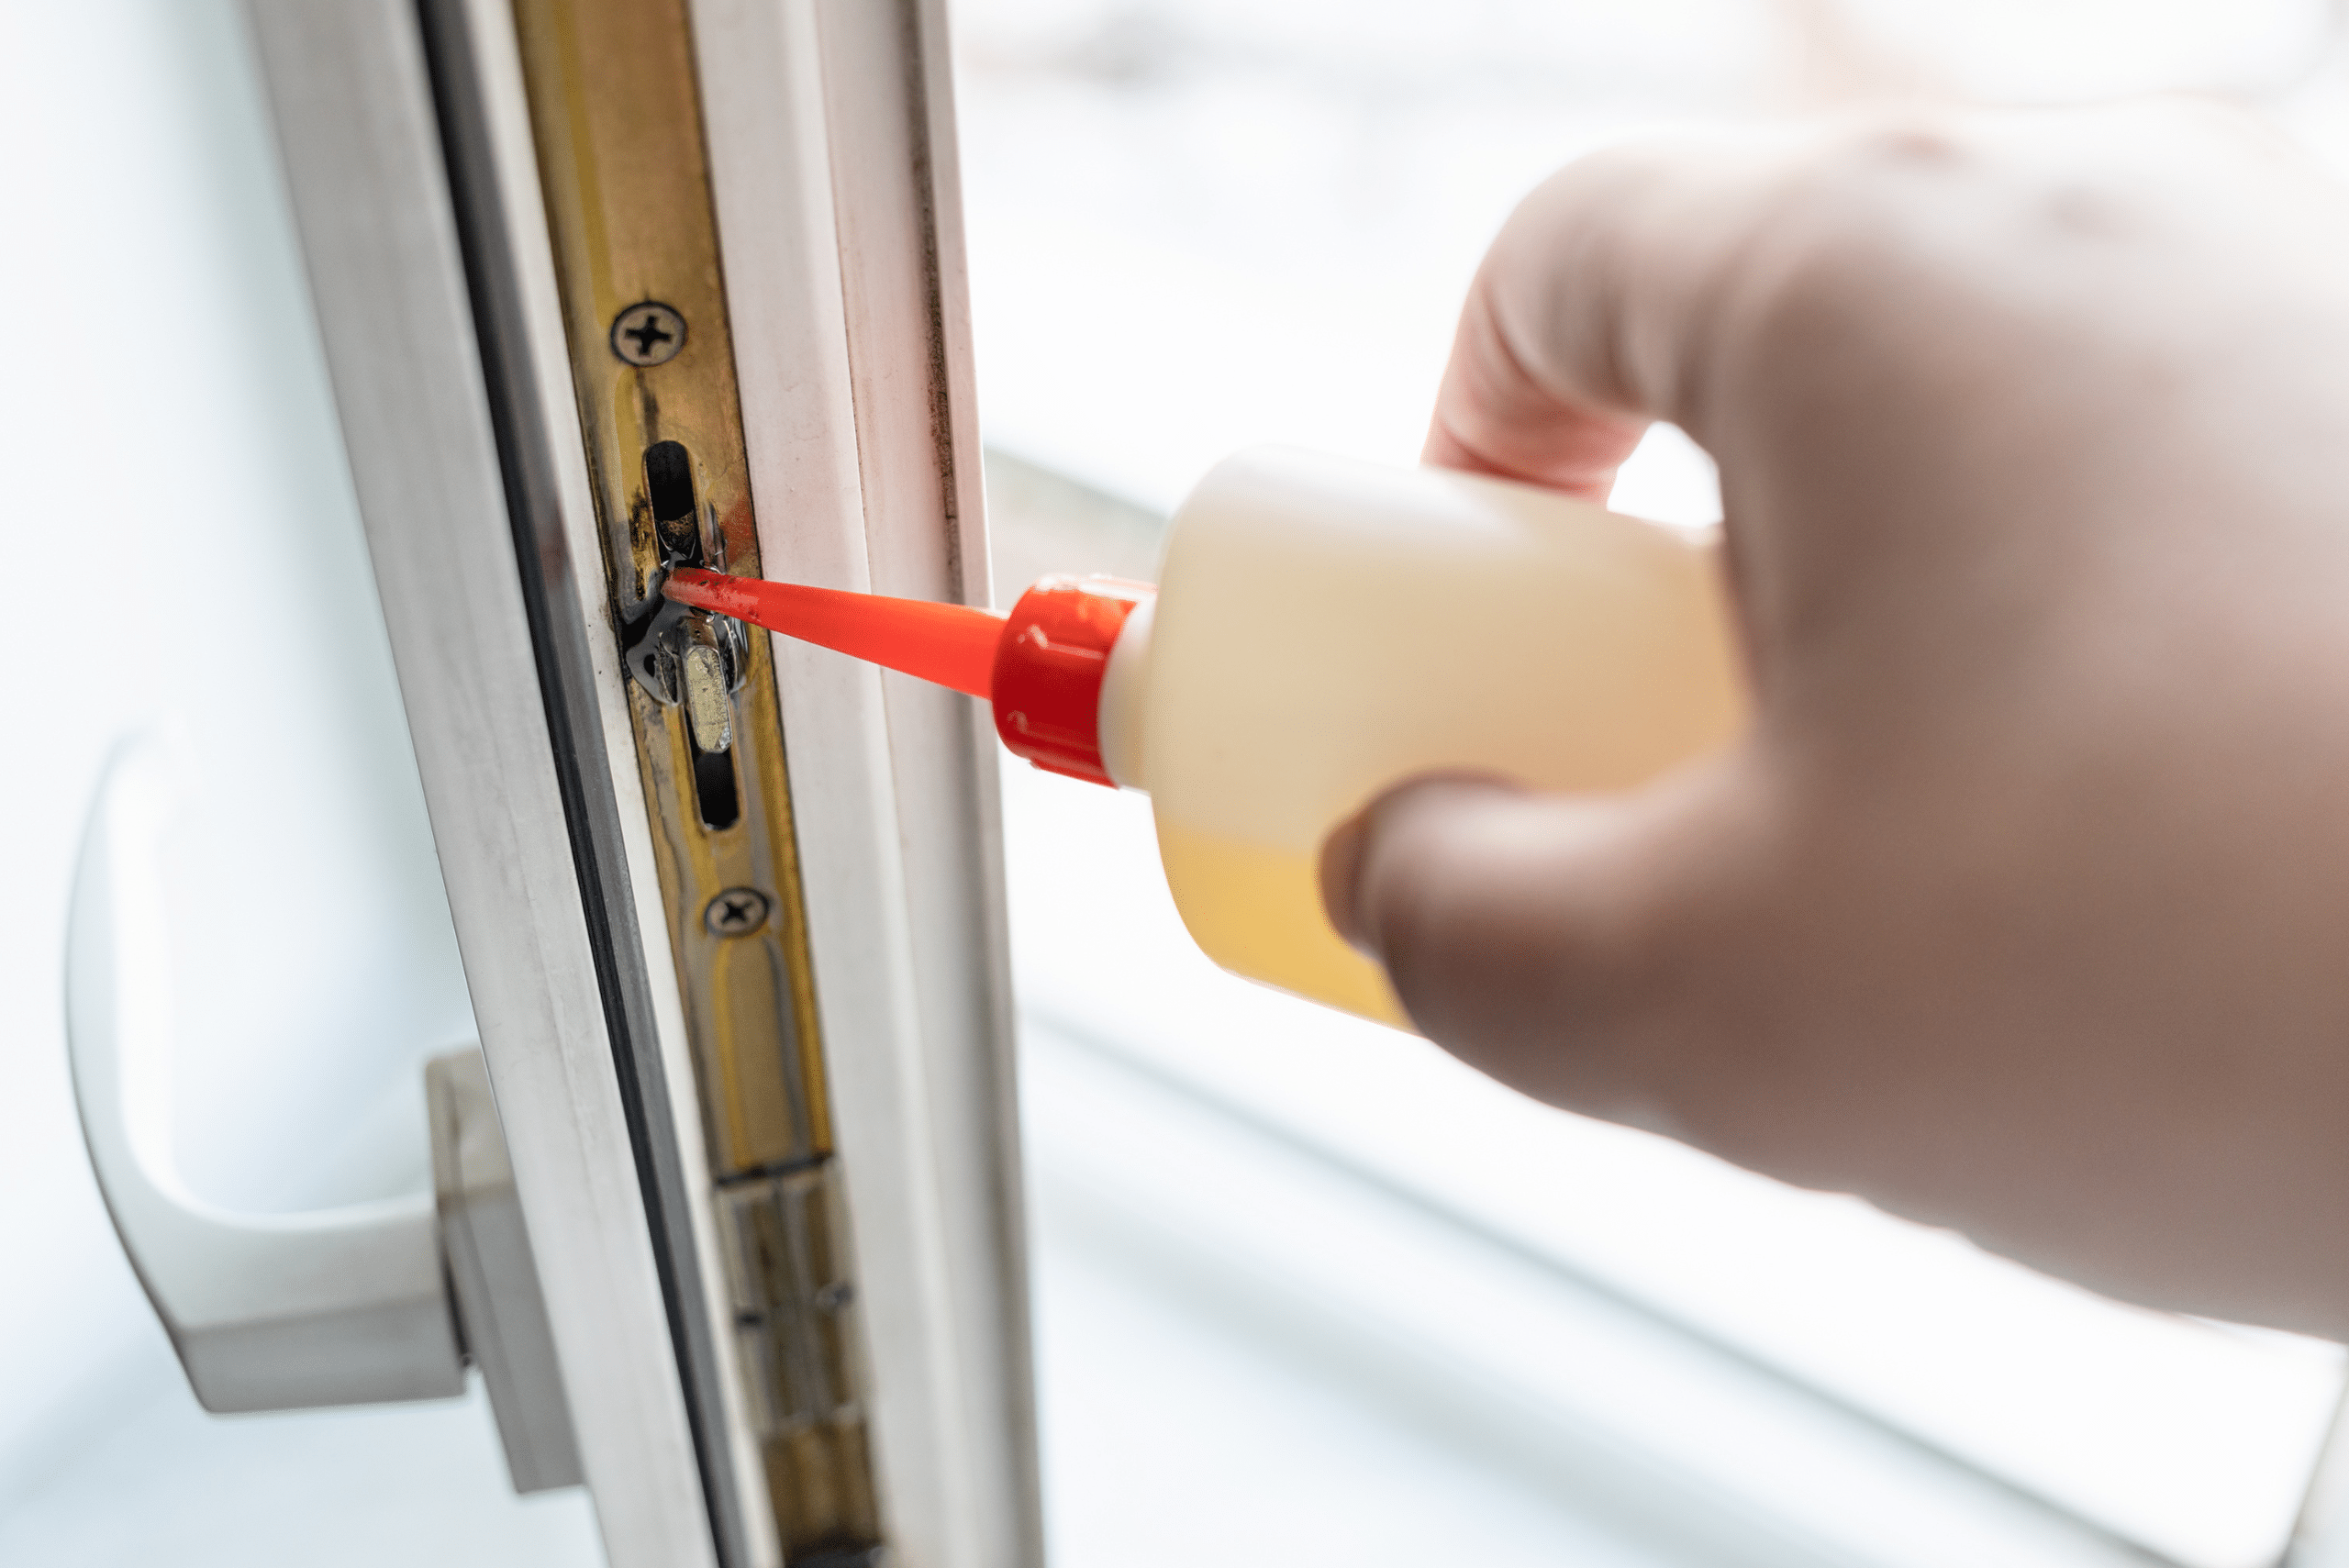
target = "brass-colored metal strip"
x: 791, y: 1285
x: 617, y: 119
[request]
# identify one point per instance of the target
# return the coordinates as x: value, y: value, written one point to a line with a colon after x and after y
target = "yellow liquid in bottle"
x: 1326, y: 628
x: 1258, y: 912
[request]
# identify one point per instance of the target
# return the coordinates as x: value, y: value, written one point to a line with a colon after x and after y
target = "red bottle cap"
x: 1049, y: 669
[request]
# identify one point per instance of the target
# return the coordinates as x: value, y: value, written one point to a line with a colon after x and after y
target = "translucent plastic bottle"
x: 1321, y: 629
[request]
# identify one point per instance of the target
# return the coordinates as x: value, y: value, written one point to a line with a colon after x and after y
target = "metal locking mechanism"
x: 612, y: 96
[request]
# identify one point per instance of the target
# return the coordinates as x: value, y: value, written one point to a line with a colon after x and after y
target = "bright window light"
x: 1201, y: 224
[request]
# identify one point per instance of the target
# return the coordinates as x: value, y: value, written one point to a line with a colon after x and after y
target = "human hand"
x: 2023, y: 905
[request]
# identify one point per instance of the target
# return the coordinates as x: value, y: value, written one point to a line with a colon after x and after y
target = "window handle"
x: 367, y: 1303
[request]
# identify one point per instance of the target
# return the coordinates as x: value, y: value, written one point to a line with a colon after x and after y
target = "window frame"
x: 406, y: 152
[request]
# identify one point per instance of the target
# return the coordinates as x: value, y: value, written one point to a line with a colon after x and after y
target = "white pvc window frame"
x: 830, y: 132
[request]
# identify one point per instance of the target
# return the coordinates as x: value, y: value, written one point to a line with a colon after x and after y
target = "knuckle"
x: 1899, y: 138
x: 1836, y: 197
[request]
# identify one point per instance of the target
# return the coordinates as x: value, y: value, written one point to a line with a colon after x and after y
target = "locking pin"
x: 708, y: 700
x: 694, y: 658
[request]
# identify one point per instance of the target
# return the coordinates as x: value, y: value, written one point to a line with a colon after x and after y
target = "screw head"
x: 647, y: 333
x: 737, y: 912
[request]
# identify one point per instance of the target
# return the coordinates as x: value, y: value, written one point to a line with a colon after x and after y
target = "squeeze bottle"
x: 1322, y: 629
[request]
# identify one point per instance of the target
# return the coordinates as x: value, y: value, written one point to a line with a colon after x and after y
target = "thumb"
x: 1566, y: 945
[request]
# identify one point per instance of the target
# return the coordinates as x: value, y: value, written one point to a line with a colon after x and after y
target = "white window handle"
x: 348, y: 1306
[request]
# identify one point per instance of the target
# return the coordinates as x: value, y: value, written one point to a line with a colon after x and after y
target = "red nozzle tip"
x: 954, y: 645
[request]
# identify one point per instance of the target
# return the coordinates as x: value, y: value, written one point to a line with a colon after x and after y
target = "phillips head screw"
x: 737, y: 912
x: 647, y: 333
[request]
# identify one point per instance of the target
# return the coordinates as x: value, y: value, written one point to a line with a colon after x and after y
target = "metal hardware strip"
x: 616, y: 120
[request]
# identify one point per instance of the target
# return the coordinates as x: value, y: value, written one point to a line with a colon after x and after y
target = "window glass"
x: 1198, y: 223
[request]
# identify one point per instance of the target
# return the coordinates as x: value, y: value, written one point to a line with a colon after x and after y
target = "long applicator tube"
x: 954, y: 645
x: 1044, y: 668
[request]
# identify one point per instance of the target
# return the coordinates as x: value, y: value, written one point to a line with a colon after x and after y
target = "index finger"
x: 1591, y: 315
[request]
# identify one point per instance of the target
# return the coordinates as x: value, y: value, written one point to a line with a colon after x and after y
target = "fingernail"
x: 1341, y: 866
